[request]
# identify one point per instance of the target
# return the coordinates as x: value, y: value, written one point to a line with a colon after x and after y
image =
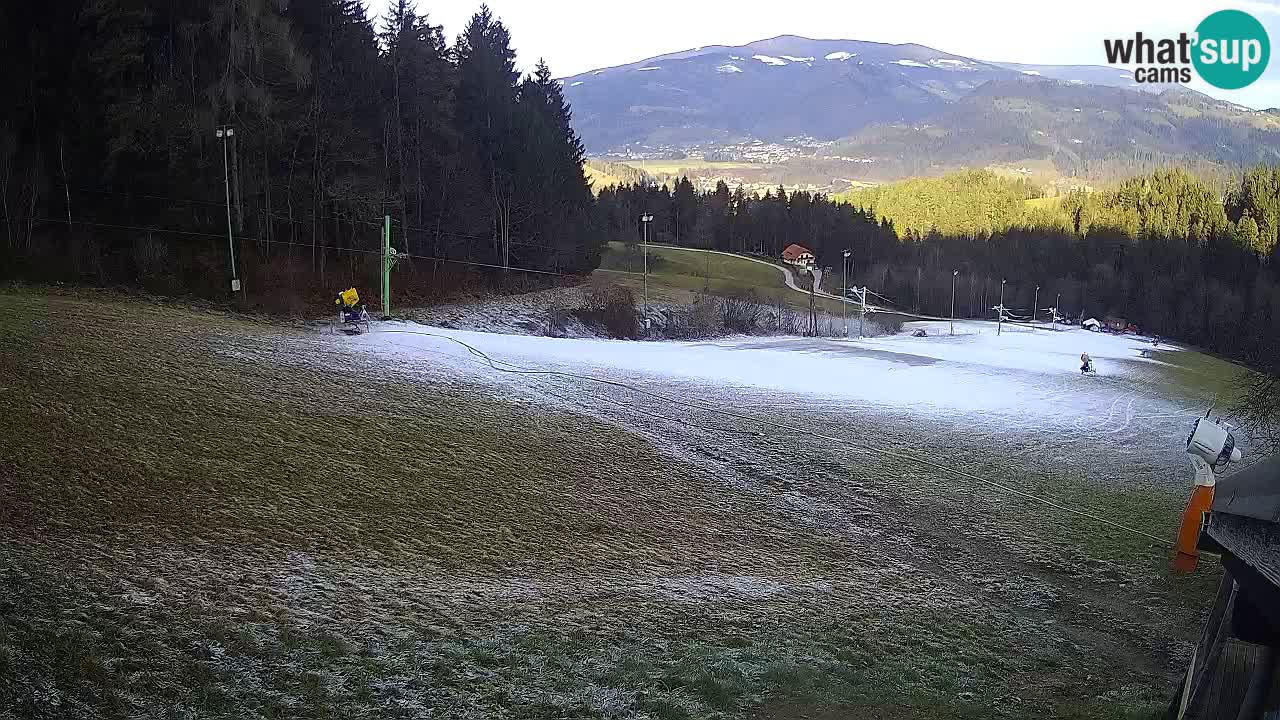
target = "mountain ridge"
x: 806, y: 94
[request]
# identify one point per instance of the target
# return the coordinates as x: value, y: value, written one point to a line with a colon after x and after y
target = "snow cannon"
x: 1210, y: 447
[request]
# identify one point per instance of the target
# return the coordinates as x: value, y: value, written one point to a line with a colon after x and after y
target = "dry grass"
x: 203, y: 516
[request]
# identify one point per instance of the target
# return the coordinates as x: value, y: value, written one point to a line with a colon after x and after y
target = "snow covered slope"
x: 1023, y: 379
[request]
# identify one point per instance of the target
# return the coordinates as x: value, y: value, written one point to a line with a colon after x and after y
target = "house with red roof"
x: 798, y: 255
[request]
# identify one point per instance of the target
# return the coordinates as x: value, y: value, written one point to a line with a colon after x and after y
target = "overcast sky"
x: 579, y: 35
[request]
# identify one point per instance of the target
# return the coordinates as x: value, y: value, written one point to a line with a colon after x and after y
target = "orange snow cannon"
x: 1210, y: 446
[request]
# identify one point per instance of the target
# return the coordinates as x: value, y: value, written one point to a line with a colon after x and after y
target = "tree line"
x: 1161, y: 250
x: 113, y: 170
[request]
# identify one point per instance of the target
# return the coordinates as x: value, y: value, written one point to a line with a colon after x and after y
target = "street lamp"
x: 1000, y: 310
x: 225, y: 132
x: 1057, y: 303
x: 645, y: 219
x: 845, y: 297
x: 954, y: 273
x: 1035, y: 305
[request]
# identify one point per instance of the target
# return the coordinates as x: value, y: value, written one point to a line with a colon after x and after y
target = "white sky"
x: 579, y: 35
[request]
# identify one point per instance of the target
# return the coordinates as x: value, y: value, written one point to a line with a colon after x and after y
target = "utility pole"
x: 813, y: 315
x: 645, y: 219
x: 844, y: 296
x: 235, y: 181
x: 224, y: 133
x: 1000, y: 310
x: 1057, y: 303
x: 1035, y: 305
x: 862, y: 319
x: 389, y: 259
x: 954, y: 273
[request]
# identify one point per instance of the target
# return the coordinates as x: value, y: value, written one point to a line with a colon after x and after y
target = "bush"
x: 612, y: 307
x: 741, y: 314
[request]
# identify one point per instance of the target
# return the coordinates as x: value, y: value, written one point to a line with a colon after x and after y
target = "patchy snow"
x: 649, y: 68
x: 1030, y: 72
x: 948, y: 64
x: 1025, y: 377
x: 1077, y: 141
x: 840, y: 56
x: 769, y: 59
x: 575, y: 84
x: 728, y: 68
x: 793, y: 58
x: 910, y: 63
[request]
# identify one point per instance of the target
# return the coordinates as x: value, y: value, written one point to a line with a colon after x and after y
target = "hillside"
x: 879, y: 111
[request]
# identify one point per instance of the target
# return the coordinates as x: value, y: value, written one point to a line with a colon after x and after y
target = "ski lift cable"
x: 508, y: 367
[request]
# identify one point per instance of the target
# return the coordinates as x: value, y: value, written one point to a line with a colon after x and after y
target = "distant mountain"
x: 907, y: 109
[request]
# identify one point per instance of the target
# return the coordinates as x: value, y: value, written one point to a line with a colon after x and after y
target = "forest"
x: 1160, y: 250
x: 142, y: 141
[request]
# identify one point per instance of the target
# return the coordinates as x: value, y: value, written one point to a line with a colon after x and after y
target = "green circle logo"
x: 1232, y: 49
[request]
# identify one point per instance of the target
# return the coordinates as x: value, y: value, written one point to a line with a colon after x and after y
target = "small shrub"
x: 612, y: 307
x: 741, y: 314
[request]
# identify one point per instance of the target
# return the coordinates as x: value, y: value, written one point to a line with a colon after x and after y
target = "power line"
x: 335, y: 248
x: 877, y: 451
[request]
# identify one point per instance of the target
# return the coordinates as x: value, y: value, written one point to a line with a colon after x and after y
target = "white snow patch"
x: 598, y: 72
x: 1077, y: 141
x: 1025, y: 376
x: 734, y: 57
x: 575, y: 84
x: 841, y: 56
x: 1030, y: 72
x: 793, y: 58
x: 947, y: 62
x: 909, y: 63
x: 769, y: 59
x: 650, y: 67
x: 728, y: 68
x: 1076, y: 109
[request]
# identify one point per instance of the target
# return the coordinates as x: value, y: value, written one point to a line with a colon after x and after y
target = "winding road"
x: 787, y: 276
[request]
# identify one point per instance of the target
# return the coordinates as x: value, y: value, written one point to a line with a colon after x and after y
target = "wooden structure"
x: 1233, y: 667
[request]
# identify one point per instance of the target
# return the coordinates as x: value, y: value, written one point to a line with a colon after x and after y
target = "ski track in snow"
x: 1023, y: 386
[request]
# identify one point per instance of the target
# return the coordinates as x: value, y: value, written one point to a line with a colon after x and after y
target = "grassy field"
x: 600, y: 180
x: 1045, y: 203
x: 674, y: 167
x: 208, y: 516
x: 676, y: 275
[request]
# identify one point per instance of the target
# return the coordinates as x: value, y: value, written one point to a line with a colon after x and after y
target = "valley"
x: 877, y: 113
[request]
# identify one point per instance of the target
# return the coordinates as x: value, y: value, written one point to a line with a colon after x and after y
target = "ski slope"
x: 1025, y: 380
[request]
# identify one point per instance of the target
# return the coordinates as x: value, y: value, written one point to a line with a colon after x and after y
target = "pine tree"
x: 486, y: 103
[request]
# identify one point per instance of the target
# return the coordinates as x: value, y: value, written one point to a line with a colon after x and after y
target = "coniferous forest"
x: 112, y: 169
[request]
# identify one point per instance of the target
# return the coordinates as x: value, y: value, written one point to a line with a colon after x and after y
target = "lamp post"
x: 1035, y: 305
x: 1057, y: 303
x: 645, y: 219
x: 1000, y: 310
x: 225, y: 132
x: 954, y: 273
x: 845, y: 296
